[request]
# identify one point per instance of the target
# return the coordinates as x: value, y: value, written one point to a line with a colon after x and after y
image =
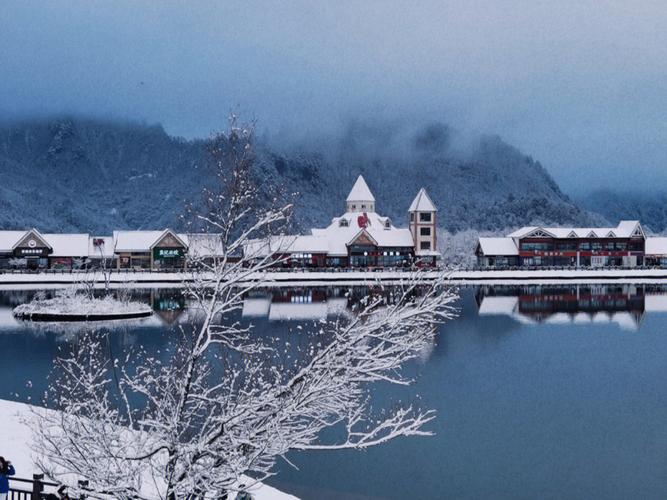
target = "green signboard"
x: 168, y: 253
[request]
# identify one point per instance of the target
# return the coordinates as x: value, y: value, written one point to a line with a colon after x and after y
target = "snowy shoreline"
x: 16, y: 438
x: 301, y: 278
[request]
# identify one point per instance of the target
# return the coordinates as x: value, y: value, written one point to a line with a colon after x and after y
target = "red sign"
x: 363, y: 221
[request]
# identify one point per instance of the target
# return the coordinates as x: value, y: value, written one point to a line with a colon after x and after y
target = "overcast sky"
x: 580, y: 85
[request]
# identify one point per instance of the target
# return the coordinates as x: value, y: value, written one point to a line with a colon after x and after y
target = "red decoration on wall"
x: 363, y: 220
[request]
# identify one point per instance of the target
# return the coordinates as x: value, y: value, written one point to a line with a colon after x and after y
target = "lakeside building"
x: 155, y: 250
x: 624, y: 245
x: 360, y: 237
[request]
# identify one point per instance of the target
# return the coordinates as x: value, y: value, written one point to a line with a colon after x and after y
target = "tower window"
x: 425, y: 231
x: 425, y: 245
x: 412, y: 217
x: 354, y: 207
x: 363, y: 207
x: 425, y: 217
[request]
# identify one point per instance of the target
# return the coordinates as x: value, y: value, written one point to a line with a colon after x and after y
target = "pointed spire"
x: 422, y: 203
x: 360, y: 191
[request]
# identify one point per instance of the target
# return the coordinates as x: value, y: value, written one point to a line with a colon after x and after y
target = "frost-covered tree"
x: 222, y: 403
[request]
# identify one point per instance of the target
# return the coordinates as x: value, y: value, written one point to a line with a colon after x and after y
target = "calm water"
x: 540, y: 393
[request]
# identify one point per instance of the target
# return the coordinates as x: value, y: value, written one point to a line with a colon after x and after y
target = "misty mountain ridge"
x: 650, y: 207
x: 75, y: 174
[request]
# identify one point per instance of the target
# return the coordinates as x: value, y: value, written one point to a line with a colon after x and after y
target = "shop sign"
x: 168, y: 253
x: 32, y: 251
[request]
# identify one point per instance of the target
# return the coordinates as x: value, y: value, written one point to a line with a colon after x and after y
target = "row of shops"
x: 149, y: 250
x: 625, y: 245
x: 360, y: 238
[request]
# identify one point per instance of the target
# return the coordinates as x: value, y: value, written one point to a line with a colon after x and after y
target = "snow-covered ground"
x: 301, y: 278
x: 16, y: 439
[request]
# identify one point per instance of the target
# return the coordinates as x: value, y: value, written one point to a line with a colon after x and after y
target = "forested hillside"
x: 86, y: 175
x: 648, y: 207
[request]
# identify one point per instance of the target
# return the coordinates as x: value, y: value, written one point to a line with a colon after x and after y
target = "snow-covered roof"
x: 135, y: 241
x: 286, y: 244
x: 625, y: 229
x: 202, y: 244
x: 339, y: 234
x: 139, y: 241
x: 9, y: 239
x: 655, y: 246
x: 422, y: 203
x: 68, y: 245
x: 104, y: 248
x: 360, y: 191
x: 498, y: 246
x: 334, y: 239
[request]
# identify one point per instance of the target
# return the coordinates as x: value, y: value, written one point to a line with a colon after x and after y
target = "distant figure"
x: 6, y: 470
x: 242, y: 495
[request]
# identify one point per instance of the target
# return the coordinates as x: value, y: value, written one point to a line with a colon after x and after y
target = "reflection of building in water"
x: 300, y: 304
x: 295, y: 304
x: 577, y: 304
x: 168, y: 304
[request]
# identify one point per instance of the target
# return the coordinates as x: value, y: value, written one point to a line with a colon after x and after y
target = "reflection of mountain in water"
x: 577, y: 304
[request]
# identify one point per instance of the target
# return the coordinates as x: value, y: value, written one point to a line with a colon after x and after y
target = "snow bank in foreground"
x: 64, y: 305
x: 16, y: 440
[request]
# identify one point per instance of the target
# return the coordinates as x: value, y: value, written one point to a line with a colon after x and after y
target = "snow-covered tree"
x: 222, y: 403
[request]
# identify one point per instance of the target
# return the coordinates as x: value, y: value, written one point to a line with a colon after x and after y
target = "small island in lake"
x: 79, y: 307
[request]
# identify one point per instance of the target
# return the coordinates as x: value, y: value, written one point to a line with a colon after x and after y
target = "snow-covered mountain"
x: 72, y: 174
x: 649, y: 207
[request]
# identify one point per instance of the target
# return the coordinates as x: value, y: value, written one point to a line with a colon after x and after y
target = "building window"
x: 566, y: 246
x: 412, y: 217
x: 363, y: 207
x: 425, y: 245
x: 387, y: 224
x: 425, y: 217
x: 343, y: 223
x: 425, y: 231
x: 354, y: 207
x: 536, y: 246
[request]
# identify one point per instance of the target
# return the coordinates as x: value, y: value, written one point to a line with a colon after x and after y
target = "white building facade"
x: 360, y: 238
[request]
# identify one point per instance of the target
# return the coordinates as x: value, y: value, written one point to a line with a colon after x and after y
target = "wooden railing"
x: 29, y: 489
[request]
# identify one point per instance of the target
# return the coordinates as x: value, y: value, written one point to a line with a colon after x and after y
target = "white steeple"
x: 360, y: 198
x: 422, y: 203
